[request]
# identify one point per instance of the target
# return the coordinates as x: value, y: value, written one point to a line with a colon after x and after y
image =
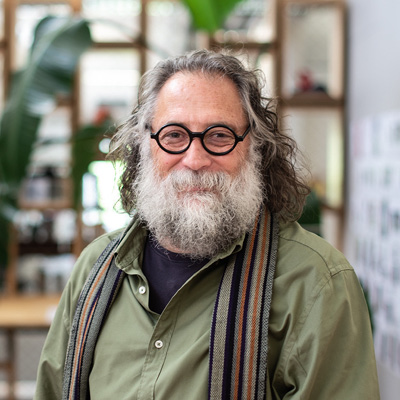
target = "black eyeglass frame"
x: 201, y: 135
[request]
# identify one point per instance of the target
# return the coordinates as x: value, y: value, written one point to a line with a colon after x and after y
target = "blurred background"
x: 70, y: 72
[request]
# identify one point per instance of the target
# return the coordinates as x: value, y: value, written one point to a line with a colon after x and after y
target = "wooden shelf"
x: 44, y: 204
x: 27, y: 311
x: 312, y: 99
x: 46, y: 248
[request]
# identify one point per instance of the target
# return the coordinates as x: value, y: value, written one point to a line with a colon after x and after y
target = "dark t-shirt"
x: 166, y: 272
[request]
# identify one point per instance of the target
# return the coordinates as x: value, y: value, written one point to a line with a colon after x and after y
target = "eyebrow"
x: 234, y: 127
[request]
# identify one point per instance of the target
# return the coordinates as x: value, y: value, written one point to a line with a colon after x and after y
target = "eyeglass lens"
x: 217, y: 139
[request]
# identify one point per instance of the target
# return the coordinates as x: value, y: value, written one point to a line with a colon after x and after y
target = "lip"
x: 195, y: 192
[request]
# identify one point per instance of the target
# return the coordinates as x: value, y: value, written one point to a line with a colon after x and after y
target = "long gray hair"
x: 284, y: 187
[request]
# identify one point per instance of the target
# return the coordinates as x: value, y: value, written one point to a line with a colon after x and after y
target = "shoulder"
x: 310, y: 274
x: 299, y: 248
x: 311, y: 277
x: 93, y: 250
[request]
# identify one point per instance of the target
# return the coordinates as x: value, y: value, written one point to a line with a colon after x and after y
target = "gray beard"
x: 198, y: 223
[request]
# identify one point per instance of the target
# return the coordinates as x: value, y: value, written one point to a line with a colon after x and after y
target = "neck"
x: 168, y: 246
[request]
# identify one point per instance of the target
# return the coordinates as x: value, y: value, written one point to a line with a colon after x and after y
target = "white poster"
x: 373, y: 244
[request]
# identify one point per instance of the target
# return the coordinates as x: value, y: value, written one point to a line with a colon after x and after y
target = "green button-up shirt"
x: 320, y: 341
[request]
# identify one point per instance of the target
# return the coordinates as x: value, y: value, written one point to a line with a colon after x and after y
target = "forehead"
x: 199, y: 98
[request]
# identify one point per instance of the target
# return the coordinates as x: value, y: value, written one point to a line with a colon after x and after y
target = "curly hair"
x: 285, y: 188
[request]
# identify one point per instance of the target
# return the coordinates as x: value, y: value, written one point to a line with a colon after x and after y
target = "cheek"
x: 163, y: 161
x: 234, y: 162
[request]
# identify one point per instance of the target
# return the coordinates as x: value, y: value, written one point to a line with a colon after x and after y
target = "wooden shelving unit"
x: 307, y: 37
x: 311, y: 86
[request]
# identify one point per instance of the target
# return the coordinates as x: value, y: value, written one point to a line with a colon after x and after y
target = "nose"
x: 196, y: 157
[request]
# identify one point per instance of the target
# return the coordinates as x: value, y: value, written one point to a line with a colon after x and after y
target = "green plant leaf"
x: 58, y: 44
x: 209, y: 15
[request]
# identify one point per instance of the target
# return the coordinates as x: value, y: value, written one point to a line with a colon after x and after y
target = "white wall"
x: 373, y: 57
x: 374, y: 90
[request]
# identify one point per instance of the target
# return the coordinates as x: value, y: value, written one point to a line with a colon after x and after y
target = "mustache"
x: 184, y: 180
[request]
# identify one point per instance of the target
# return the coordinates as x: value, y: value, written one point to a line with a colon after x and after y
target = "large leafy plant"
x: 58, y: 44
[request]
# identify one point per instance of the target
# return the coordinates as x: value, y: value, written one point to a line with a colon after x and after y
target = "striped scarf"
x: 239, y: 327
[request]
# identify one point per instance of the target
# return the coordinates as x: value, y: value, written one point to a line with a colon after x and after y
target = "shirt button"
x: 142, y: 290
x: 158, y: 344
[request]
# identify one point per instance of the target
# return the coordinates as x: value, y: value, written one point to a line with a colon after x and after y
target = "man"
x: 213, y: 291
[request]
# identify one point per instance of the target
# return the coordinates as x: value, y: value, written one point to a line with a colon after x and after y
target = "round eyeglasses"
x: 217, y: 140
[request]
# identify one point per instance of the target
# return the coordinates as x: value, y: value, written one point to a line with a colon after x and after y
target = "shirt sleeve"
x: 51, y: 366
x: 331, y: 353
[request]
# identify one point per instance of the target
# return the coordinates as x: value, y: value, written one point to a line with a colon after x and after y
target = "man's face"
x: 199, y: 101
x: 196, y: 203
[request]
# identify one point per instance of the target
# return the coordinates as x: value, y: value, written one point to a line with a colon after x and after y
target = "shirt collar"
x: 133, y: 242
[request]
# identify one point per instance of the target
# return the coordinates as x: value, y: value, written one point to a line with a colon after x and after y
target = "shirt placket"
x: 157, y: 352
